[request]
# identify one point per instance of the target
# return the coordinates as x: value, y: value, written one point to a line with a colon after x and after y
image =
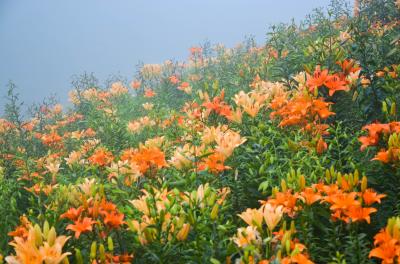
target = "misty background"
x: 43, y: 43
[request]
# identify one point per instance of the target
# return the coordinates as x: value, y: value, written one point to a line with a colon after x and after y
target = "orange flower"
x: 304, y: 111
x: 287, y: 199
x: 343, y: 201
x: 358, y: 213
x: 247, y: 236
x: 136, y: 84
x: 214, y: 163
x: 113, y: 219
x: 173, y: 79
x: 252, y: 217
x: 20, y: 231
x: 72, y: 213
x: 374, y: 130
x: 321, y: 108
x: 382, y: 156
x: 272, y: 215
x: 196, y: 51
x: 365, y: 82
x: 300, y: 259
x: 348, y: 66
x: 107, y: 207
x: 145, y: 158
x: 185, y: 86
x: 387, y: 244
x: 218, y: 105
x: 367, y: 141
x: 81, y: 226
x: 310, y: 196
x: 370, y: 196
x: 51, y: 138
x: 34, y: 250
x: 387, y: 252
x: 380, y: 74
x: 318, y: 79
x: 321, y: 146
x: 149, y: 93
x: 101, y: 157
x: 334, y: 83
x: 123, y: 259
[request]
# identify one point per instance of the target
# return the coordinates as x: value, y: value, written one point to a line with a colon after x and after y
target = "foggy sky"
x: 44, y: 42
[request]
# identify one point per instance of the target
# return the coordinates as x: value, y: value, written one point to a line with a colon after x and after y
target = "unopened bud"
x: 102, y: 253
x: 384, y: 107
x: 283, y: 185
x: 110, y: 244
x: 38, y: 235
x: 214, y: 212
x: 93, y: 250
x: 46, y: 228
x: 212, y: 198
x: 356, y: 177
x: 292, y: 227
x: 316, y: 92
x: 328, y: 176
x: 275, y: 190
x: 78, y: 256
x: 287, y: 246
x: 183, y: 233
x: 51, y: 236
x: 393, y: 109
x: 364, y: 183
x: 302, y: 182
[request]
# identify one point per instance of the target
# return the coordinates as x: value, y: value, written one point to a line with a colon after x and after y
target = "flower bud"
x: 78, y: 257
x: 214, y: 212
x: 183, y: 233
x: 191, y: 217
x: 332, y: 172
x: 356, y: 177
x: 327, y: 176
x: 339, y: 179
x: 365, y: 82
x: 302, y: 182
x: 380, y: 73
x: 316, y: 92
x: 51, y: 236
x: 287, y: 246
x: 283, y: 185
x: 292, y: 227
x: 38, y: 235
x: 212, y: 198
x: 275, y: 190
x: 110, y: 244
x: 102, y: 253
x: 46, y: 228
x: 393, y: 109
x: 279, y: 255
x: 93, y: 250
x: 364, y: 183
x: 355, y: 95
x: 384, y: 107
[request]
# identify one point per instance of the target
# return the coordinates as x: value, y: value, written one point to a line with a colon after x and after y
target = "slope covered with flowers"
x: 287, y: 152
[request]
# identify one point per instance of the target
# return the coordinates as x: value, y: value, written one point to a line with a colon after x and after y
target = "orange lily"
x: 81, y: 226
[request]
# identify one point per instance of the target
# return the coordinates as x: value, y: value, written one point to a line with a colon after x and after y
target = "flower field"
x: 285, y: 152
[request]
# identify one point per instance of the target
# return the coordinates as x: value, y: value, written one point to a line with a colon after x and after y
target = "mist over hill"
x: 44, y: 45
